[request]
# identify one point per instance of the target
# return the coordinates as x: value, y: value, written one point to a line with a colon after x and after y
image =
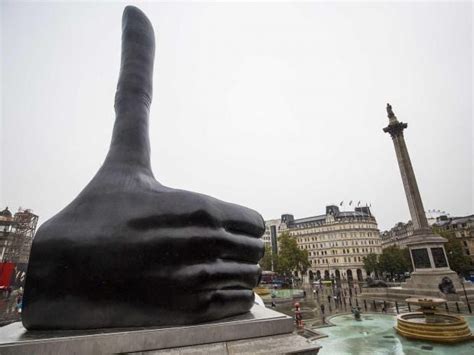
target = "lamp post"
x: 465, y: 295
x: 464, y: 289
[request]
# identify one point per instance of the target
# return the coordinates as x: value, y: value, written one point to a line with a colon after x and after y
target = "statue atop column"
x: 390, y: 112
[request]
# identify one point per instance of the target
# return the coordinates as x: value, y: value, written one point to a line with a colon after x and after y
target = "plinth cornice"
x: 428, y: 238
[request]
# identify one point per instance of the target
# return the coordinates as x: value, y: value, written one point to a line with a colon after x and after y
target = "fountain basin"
x: 426, y: 303
x: 444, y: 328
x: 376, y: 335
x: 262, y: 291
x: 426, y: 324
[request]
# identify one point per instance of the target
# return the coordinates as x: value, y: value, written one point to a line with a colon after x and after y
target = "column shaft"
x: 415, y: 204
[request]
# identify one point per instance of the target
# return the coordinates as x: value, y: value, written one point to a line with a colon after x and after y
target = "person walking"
x: 298, y: 316
x: 322, y: 313
x: 19, y: 302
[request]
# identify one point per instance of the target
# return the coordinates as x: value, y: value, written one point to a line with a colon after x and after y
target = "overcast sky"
x: 278, y: 107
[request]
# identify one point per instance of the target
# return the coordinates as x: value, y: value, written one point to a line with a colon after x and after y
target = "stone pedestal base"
x: 424, y: 283
x: 259, y: 328
x: 278, y: 344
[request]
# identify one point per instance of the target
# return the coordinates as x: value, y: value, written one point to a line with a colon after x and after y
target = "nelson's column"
x: 428, y: 256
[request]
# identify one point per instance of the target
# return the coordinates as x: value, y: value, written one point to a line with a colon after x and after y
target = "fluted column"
x: 415, y: 204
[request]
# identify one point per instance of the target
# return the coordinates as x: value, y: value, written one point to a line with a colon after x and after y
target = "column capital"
x: 395, y: 129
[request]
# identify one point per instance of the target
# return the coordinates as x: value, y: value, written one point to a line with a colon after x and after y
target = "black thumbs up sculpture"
x: 129, y: 251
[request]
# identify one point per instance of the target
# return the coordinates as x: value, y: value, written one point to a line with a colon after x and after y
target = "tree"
x: 393, y: 260
x: 371, y: 263
x: 266, y: 262
x: 290, y: 257
x: 303, y: 262
x: 407, y: 258
x: 458, y: 261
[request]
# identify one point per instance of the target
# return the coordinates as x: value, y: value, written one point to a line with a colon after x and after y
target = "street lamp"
x: 465, y: 294
x: 464, y: 289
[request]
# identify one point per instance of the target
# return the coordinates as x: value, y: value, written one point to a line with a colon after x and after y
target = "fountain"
x: 356, y: 312
x: 427, y: 324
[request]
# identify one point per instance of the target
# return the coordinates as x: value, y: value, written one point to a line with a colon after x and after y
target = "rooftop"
x: 358, y: 213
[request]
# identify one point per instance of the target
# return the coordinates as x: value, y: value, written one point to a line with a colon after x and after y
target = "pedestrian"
x: 322, y: 313
x: 304, y: 293
x: 298, y: 316
x: 19, y: 301
x: 273, y: 304
x: 329, y: 299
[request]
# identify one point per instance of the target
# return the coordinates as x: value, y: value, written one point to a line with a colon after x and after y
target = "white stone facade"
x: 336, y: 242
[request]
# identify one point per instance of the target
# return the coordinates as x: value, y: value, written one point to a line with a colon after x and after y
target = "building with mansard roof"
x: 398, y: 236
x: 461, y: 227
x: 336, y: 241
x: 463, y: 230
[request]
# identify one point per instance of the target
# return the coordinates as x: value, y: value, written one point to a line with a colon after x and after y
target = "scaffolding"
x: 16, y: 235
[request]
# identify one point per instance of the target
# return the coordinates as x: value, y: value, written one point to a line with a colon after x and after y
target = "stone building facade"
x: 463, y: 229
x: 272, y: 231
x: 398, y: 235
x: 336, y: 241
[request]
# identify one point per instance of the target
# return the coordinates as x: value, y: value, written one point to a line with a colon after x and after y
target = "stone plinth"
x: 425, y: 282
x: 259, y: 324
x: 418, y: 287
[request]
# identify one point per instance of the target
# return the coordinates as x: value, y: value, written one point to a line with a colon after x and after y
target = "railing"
x: 324, y: 302
x: 384, y: 306
x: 374, y: 306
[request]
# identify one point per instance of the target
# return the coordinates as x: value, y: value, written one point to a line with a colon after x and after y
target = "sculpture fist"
x: 129, y: 251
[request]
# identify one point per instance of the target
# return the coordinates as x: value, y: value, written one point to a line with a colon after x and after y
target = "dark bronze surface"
x: 390, y: 113
x: 129, y: 251
x: 439, y: 258
x: 446, y: 286
x: 421, y: 259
